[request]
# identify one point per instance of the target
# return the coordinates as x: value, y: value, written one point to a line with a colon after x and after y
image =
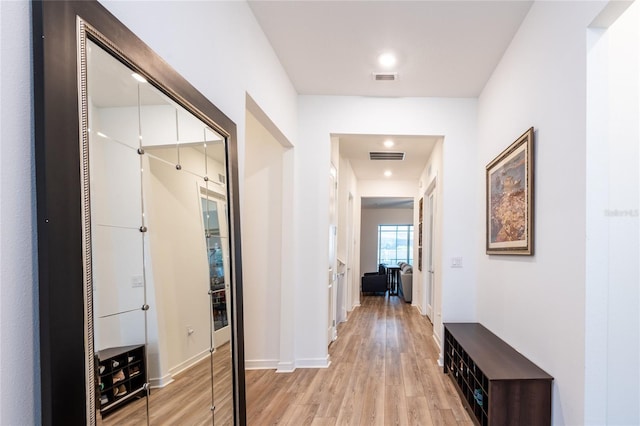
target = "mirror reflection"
x: 160, y: 253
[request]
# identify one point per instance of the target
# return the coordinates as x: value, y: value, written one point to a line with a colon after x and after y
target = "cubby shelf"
x: 497, y: 384
x: 121, y: 376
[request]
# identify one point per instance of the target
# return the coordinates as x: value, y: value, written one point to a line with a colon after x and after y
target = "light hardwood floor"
x: 383, y: 372
x: 187, y: 400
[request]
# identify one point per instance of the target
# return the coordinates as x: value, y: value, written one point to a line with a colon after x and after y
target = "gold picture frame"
x: 509, y: 197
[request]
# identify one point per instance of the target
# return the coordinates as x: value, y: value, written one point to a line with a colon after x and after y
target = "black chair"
x: 375, y: 282
x: 382, y: 270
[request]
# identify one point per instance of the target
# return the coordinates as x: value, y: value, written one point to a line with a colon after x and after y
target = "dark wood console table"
x: 497, y: 384
x: 392, y: 279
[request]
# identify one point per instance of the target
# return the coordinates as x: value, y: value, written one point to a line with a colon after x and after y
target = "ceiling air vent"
x: 385, y: 76
x: 386, y: 155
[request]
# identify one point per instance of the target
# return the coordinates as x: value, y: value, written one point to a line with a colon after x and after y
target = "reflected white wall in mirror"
x: 152, y: 163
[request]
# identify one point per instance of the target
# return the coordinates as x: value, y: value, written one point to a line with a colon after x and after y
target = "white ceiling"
x: 444, y: 49
x: 386, y: 203
x: 416, y: 148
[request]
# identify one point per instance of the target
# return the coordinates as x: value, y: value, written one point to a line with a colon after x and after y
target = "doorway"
x: 265, y: 278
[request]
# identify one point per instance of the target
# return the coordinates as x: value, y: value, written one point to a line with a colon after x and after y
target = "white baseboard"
x: 155, y: 382
x: 261, y: 364
x: 419, y: 308
x: 173, y: 371
x: 435, y: 339
x: 440, y: 357
x: 286, y: 367
x: 160, y: 382
x: 313, y: 362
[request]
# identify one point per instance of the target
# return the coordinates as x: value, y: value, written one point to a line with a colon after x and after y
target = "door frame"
x: 333, y: 254
x: 222, y: 335
x: 430, y: 197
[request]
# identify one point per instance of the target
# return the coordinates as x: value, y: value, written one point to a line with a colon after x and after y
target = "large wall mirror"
x: 139, y: 253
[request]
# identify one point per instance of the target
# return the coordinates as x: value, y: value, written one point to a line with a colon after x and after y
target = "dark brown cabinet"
x: 121, y: 376
x: 497, y: 384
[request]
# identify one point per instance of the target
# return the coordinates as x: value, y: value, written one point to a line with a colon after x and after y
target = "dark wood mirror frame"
x: 59, y: 205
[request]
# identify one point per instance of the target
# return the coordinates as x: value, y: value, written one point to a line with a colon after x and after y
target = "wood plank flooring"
x: 383, y: 372
x: 187, y: 400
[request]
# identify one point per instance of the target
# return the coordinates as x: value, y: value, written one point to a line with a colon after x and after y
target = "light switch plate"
x: 456, y: 262
x: 137, y: 281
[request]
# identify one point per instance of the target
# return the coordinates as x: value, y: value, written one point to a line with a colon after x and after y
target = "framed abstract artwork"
x: 509, y: 180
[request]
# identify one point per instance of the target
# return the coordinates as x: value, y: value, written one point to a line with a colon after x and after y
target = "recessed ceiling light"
x: 388, y: 173
x: 388, y: 143
x: 387, y: 60
x: 138, y: 77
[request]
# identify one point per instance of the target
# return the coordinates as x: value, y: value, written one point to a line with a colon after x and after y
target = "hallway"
x: 383, y: 372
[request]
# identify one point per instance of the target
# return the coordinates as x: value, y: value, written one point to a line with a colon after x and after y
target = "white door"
x: 215, y: 219
x: 333, y: 257
x: 349, y: 302
x: 341, y: 310
x: 430, y: 244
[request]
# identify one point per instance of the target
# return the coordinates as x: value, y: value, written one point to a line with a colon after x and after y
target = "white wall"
x: 387, y: 188
x: 537, y: 303
x: 19, y: 335
x: 453, y: 118
x: 369, y: 221
x: 262, y: 229
x: 612, y: 388
x: 178, y: 258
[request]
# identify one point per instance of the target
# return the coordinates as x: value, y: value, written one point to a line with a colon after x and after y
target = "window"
x: 395, y: 244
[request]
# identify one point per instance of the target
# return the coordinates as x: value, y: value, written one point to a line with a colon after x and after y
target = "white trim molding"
x: 313, y: 362
x: 261, y: 364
